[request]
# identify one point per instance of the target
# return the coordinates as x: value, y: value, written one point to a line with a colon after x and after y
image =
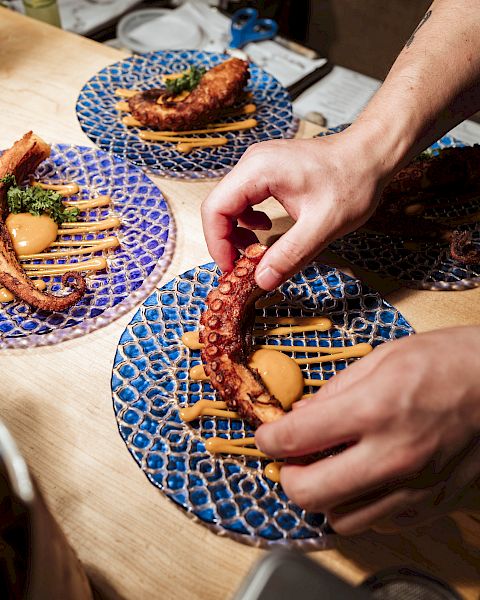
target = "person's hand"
x: 411, y: 412
x: 329, y: 186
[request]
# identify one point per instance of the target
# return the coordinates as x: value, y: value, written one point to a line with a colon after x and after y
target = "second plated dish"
x: 101, y: 118
x: 130, y: 212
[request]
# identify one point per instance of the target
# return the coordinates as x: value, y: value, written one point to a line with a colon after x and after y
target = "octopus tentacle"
x: 453, y: 168
x: 219, y: 88
x: 450, y: 179
x: 462, y: 249
x: 21, y: 160
x: 225, y: 331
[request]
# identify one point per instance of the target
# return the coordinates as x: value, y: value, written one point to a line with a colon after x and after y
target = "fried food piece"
x: 21, y: 160
x: 453, y: 168
x: 225, y: 331
x: 462, y: 248
x: 450, y: 179
x: 219, y: 88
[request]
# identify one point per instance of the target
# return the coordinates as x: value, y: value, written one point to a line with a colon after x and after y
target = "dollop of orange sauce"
x: 31, y: 234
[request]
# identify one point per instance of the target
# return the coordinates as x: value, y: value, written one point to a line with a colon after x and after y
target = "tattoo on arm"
x: 425, y: 18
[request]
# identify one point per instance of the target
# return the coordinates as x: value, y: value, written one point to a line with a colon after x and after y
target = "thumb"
x: 289, y: 254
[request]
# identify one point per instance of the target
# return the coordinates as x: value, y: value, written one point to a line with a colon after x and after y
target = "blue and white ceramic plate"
x: 146, y: 236
x: 427, y: 267
x: 150, y: 384
x: 101, y: 121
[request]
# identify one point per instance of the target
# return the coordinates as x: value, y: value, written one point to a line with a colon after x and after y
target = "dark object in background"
x: 14, y: 541
x: 404, y: 583
x: 292, y: 16
x: 36, y: 560
x: 288, y: 575
x: 363, y: 36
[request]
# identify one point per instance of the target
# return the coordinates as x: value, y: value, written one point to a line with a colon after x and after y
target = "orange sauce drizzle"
x: 297, y: 325
x: 122, y: 106
x: 191, y: 340
x: 89, y: 204
x: 243, y: 446
x: 246, y: 446
x: 108, y: 243
x: 272, y: 471
x: 64, y: 189
x: 125, y: 92
x: 215, y: 408
x: 98, y: 263
x: 89, y: 226
x: 32, y: 234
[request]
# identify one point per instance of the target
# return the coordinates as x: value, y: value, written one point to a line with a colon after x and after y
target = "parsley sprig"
x: 37, y: 201
x: 188, y: 81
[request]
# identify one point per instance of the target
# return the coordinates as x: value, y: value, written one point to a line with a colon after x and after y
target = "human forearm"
x: 433, y: 85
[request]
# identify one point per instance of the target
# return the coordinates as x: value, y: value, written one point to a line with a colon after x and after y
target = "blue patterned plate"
x: 150, y: 384
x: 429, y: 267
x: 100, y: 120
x: 146, y: 237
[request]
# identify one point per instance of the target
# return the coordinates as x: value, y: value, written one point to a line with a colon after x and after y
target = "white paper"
x: 340, y: 96
x: 175, y: 30
x: 284, y: 64
x: 468, y: 132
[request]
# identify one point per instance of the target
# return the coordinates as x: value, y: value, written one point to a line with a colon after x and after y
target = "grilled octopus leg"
x: 219, y: 88
x: 21, y: 160
x: 225, y: 331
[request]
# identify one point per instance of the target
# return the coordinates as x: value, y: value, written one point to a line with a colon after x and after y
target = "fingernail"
x: 267, y: 278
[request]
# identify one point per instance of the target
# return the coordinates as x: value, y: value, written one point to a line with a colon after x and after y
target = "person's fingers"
x: 294, y: 249
x: 377, y: 511
x: 357, y: 372
x: 315, y: 427
x: 241, y: 237
x: 242, y: 187
x: 354, y: 476
x: 453, y: 492
x: 255, y: 219
x: 336, y: 413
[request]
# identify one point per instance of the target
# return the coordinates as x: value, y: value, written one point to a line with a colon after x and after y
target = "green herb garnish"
x: 37, y: 201
x: 188, y: 81
x: 426, y: 154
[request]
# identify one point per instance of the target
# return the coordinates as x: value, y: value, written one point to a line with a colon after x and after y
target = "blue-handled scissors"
x: 247, y: 27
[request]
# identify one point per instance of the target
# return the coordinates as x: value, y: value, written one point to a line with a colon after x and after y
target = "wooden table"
x: 56, y: 401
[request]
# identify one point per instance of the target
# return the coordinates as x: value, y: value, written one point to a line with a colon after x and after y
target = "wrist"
x: 388, y: 143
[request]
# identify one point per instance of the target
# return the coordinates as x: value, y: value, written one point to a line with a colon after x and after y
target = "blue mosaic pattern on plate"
x: 150, y: 383
x: 146, y: 238
x: 101, y: 122
x: 428, y: 267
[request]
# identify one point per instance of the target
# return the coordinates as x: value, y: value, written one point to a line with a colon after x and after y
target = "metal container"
x: 36, y: 560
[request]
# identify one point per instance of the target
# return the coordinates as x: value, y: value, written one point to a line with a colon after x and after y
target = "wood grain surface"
x: 57, y: 403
